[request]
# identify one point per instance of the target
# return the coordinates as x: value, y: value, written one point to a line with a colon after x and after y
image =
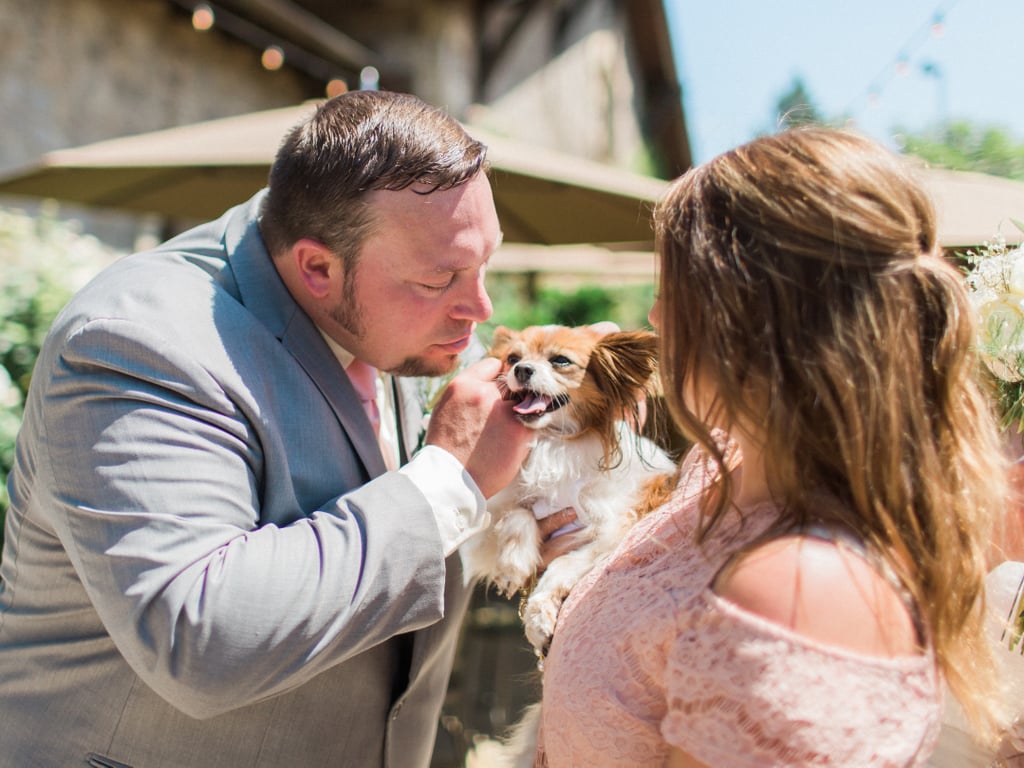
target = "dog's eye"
x: 561, y: 361
x: 513, y: 359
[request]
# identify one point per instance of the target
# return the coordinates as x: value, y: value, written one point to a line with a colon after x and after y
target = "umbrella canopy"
x: 197, y: 171
x: 974, y: 208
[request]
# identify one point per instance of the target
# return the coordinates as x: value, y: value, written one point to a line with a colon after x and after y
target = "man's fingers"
x: 555, y: 521
x: 562, y: 544
x: 486, y: 369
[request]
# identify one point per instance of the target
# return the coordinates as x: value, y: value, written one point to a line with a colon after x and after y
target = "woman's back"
x: 647, y: 657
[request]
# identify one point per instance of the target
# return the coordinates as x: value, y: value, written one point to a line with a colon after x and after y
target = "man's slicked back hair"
x: 350, y: 146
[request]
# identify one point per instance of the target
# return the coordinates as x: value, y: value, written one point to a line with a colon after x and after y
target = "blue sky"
x: 737, y: 57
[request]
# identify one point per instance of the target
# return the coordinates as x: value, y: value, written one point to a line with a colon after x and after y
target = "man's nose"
x: 474, y: 304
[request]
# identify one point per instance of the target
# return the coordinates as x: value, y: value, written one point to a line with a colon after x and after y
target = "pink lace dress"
x: 645, y: 656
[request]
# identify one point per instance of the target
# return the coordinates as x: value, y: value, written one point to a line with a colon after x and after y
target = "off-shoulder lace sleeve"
x: 743, y: 691
x: 645, y: 656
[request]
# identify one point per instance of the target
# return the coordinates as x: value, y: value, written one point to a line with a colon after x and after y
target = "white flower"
x: 997, y: 294
x: 1002, y: 329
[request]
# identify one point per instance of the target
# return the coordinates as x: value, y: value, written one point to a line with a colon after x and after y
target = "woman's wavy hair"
x: 352, y: 145
x: 801, y: 279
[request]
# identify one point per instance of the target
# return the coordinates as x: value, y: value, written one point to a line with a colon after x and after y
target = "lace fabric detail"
x: 645, y: 656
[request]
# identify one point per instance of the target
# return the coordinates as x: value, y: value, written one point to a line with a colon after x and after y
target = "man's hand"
x: 565, y: 542
x: 474, y: 424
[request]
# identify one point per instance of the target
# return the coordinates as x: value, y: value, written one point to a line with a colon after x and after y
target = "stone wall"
x: 570, y: 89
x: 77, y: 71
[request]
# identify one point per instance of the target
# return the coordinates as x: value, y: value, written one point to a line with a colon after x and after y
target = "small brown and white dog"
x: 581, y: 390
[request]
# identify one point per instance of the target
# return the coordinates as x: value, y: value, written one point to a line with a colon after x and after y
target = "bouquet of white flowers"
x: 995, y: 277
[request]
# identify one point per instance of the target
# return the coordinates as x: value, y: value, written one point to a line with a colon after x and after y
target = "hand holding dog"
x: 473, y: 423
x: 553, y: 546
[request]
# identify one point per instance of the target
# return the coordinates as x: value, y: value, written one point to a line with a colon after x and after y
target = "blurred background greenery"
x: 43, y: 261
x: 580, y: 304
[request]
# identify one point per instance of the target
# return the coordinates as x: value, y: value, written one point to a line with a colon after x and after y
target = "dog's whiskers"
x: 503, y: 387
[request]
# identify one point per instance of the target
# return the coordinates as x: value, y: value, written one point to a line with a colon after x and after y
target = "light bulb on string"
x: 202, y: 18
x: 336, y: 87
x: 272, y: 58
x: 369, y: 79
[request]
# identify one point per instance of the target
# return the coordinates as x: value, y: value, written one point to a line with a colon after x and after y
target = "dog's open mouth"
x: 532, y: 405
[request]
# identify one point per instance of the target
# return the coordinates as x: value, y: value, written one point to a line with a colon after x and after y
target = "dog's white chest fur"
x: 552, y: 477
x: 559, y: 473
x: 567, y: 473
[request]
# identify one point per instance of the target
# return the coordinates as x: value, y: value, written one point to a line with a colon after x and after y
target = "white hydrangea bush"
x: 43, y: 261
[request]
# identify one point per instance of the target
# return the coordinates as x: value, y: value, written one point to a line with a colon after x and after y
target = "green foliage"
x: 42, y: 262
x: 960, y: 146
x: 517, y: 306
x: 796, y: 107
x: 956, y: 144
x: 994, y: 275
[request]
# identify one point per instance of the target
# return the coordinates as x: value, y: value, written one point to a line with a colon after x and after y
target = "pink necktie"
x: 364, y: 379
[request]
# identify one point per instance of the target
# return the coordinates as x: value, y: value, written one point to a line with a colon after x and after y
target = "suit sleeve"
x: 157, y: 478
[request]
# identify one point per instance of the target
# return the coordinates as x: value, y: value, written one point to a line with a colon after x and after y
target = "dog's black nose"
x: 523, y: 372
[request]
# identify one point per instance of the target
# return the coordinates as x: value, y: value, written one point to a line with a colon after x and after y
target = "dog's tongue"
x: 532, y: 404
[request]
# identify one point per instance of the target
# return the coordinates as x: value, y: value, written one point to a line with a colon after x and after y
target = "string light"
x: 272, y: 58
x: 369, y: 79
x: 203, y: 18
x: 275, y: 53
x: 935, y: 27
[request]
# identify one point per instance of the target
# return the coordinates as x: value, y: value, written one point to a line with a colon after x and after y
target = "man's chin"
x: 432, y: 367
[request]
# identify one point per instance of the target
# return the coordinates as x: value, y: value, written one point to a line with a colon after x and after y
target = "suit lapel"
x: 266, y: 297
x: 308, y: 347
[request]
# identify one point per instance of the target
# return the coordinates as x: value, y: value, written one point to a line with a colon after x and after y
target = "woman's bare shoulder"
x: 821, y: 589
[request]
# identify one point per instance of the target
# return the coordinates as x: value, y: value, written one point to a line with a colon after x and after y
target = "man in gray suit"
x: 207, y: 560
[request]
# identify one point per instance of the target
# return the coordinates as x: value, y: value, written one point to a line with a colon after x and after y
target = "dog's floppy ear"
x: 623, y: 363
x: 621, y: 367
x: 501, y: 339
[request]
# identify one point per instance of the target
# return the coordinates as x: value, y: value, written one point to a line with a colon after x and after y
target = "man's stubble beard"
x: 349, y: 316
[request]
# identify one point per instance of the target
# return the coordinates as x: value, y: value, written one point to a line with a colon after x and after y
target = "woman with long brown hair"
x: 816, y: 582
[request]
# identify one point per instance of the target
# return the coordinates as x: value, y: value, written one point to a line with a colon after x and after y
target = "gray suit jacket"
x: 206, y: 563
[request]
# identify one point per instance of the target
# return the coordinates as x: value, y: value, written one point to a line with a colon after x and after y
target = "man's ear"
x: 315, y: 266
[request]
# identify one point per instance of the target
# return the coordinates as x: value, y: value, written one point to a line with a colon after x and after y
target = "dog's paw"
x: 539, y: 618
x: 509, y: 581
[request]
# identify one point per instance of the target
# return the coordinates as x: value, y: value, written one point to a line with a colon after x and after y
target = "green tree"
x: 957, y: 145
x: 517, y: 307
x: 796, y: 107
x: 42, y: 262
x: 961, y: 146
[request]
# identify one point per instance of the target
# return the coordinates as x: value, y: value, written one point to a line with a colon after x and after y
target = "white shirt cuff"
x: 459, y: 508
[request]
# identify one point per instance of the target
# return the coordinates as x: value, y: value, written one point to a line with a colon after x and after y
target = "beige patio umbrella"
x: 195, y: 172
x: 974, y: 208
